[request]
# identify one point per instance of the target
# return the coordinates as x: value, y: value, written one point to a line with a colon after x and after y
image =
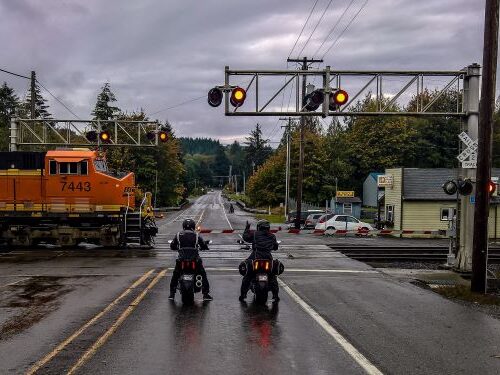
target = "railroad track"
x: 403, y: 253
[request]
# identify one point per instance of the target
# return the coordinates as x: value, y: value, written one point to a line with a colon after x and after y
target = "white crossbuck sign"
x: 468, y: 157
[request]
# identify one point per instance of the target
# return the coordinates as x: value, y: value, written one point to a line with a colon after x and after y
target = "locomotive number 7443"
x: 76, y: 186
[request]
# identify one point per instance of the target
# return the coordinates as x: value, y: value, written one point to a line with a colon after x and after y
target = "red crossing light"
x: 238, y: 96
x: 337, y: 99
x: 492, y: 188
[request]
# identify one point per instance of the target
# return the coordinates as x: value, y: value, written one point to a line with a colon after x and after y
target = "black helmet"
x: 188, y: 224
x: 263, y: 225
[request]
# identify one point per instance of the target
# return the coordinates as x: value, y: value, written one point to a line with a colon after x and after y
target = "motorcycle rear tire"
x: 261, y: 298
x: 187, y: 297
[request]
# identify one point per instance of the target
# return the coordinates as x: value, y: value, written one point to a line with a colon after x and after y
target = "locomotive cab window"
x: 84, y: 169
x: 68, y: 168
x: 52, y: 167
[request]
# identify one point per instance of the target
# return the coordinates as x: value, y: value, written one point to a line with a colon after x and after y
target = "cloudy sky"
x: 159, y: 53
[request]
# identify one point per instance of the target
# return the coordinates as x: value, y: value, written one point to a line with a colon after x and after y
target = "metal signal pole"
x: 33, y: 95
x: 287, y: 166
x: 300, y: 175
x: 483, y: 176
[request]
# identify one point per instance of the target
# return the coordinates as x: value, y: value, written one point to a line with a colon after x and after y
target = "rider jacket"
x: 187, y: 243
x: 263, y: 242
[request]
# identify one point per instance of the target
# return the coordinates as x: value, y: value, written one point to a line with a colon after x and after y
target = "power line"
x: 178, y: 105
x: 345, y: 29
x: 56, y: 98
x: 14, y: 74
x: 315, y: 27
x: 332, y: 30
x: 303, y: 27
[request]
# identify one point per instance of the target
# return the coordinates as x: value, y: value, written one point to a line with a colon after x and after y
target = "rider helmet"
x: 263, y: 225
x: 188, y: 224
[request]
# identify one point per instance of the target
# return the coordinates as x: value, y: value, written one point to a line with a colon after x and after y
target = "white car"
x: 341, y: 222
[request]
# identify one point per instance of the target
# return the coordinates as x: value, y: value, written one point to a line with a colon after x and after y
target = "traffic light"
x: 215, y: 96
x: 163, y: 136
x: 337, y: 99
x: 492, y: 187
x: 465, y: 187
x: 450, y: 187
x: 150, y: 136
x: 238, y: 96
x: 91, y: 136
x: 105, y: 137
x: 314, y: 100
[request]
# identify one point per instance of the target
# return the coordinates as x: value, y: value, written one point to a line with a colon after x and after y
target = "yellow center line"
x: 102, y: 340
x: 42, y: 362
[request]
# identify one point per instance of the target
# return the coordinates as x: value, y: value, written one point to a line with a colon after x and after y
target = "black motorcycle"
x: 190, y: 280
x: 262, y: 271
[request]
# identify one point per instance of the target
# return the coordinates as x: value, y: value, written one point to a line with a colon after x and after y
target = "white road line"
x: 360, y: 359
x: 224, y: 211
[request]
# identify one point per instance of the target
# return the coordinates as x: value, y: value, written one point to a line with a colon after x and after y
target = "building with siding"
x: 347, y: 205
x: 371, y: 192
x: 416, y: 200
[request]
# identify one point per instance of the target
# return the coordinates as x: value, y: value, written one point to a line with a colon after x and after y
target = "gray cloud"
x: 156, y: 54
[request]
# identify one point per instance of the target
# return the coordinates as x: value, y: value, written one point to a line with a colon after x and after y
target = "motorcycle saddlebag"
x: 278, y: 267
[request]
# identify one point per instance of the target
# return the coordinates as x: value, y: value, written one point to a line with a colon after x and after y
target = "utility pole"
x: 33, y: 95
x: 300, y: 175
x: 483, y: 173
x: 287, y: 167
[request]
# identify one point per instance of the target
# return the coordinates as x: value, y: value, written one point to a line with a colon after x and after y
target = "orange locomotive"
x: 69, y: 196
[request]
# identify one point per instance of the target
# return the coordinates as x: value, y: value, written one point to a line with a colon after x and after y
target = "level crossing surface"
x: 96, y: 311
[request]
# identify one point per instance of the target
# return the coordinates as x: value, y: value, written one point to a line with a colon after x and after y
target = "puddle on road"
x: 35, y: 298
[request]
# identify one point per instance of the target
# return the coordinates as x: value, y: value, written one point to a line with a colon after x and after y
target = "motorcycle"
x: 263, y: 270
x: 190, y: 280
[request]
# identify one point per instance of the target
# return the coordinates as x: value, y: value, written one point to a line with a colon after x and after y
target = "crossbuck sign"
x: 468, y: 157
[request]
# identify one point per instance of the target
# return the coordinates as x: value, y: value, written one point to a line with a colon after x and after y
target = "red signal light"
x: 238, y: 96
x: 492, y: 187
x: 337, y: 99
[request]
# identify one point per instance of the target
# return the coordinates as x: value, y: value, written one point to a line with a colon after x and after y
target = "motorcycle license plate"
x: 188, y: 277
x: 262, y: 277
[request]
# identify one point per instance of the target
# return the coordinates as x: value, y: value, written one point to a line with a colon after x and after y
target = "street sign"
x: 345, y: 194
x: 385, y: 180
x: 468, y: 157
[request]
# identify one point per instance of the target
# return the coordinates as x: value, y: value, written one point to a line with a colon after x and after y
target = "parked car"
x: 342, y: 222
x: 303, y: 215
x: 311, y: 220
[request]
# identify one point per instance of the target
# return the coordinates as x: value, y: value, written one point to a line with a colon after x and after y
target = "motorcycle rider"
x: 187, y: 243
x: 263, y: 242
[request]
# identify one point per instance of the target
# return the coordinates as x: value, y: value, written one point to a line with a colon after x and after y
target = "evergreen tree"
x: 41, y: 107
x: 257, y: 149
x: 104, y: 109
x: 9, y: 102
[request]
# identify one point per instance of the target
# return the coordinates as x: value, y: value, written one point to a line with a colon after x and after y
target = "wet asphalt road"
x: 106, y: 312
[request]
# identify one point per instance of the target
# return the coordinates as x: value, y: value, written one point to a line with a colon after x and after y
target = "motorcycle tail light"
x: 267, y: 266
x: 193, y: 265
x: 256, y: 265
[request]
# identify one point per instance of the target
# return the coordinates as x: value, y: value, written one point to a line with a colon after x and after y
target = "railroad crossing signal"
x: 238, y: 96
x: 215, y: 96
x: 338, y: 99
x: 468, y: 157
x: 464, y: 187
x: 163, y: 136
x: 493, y: 187
x: 105, y: 137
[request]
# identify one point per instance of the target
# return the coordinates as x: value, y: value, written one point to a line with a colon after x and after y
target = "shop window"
x: 389, y: 214
x: 347, y: 208
x: 447, y: 213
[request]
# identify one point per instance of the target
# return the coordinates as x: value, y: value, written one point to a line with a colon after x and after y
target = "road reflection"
x: 260, y: 324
